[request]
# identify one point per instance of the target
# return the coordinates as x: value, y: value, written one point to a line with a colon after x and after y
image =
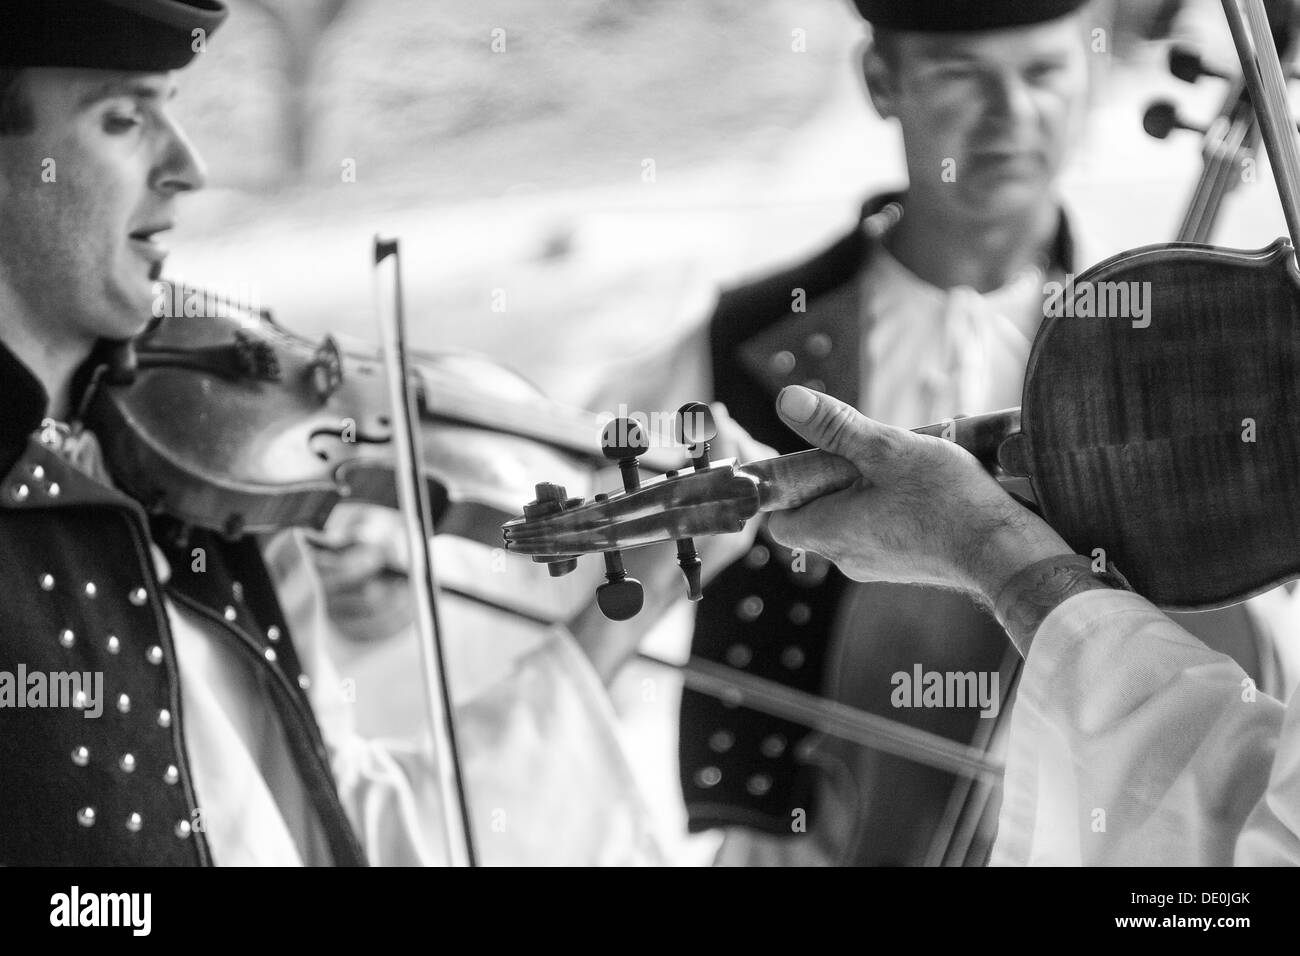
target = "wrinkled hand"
x: 923, y: 512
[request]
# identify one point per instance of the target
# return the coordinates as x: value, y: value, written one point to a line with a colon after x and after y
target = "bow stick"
x: 1262, y: 69
x: 413, y: 498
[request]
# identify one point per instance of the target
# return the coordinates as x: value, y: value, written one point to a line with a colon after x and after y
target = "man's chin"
x: 996, y: 197
x: 127, y: 314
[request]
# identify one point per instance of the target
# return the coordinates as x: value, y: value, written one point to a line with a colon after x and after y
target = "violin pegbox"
x: 702, y: 498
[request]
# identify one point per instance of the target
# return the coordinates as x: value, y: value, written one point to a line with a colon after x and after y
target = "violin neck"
x: 794, y: 480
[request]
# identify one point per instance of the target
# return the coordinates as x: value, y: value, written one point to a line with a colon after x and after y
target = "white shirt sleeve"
x: 546, y: 777
x: 1132, y: 743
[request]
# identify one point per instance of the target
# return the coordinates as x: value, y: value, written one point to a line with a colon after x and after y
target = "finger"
x: 786, y: 530
x: 811, y: 526
x: 830, y: 424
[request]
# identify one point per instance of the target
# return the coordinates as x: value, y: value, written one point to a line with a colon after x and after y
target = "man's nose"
x: 1008, y: 97
x: 180, y: 168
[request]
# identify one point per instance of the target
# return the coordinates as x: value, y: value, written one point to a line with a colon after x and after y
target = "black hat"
x: 951, y: 16
x: 150, y: 36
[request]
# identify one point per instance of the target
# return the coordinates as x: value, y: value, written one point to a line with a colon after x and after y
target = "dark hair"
x: 16, y: 116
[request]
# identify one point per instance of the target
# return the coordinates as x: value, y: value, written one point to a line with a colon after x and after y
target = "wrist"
x: 1018, y: 542
x: 1037, y: 590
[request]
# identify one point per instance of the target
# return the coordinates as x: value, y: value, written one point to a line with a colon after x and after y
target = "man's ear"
x: 879, y: 78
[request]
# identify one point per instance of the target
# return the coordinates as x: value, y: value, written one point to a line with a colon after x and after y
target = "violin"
x: 235, y: 424
x: 1159, y: 428
x: 1177, y: 465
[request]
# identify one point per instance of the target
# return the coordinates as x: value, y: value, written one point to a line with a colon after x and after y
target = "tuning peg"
x: 622, y: 441
x: 620, y: 597
x: 552, y: 499
x: 688, y: 559
x: 1161, y: 118
x: 696, y: 428
x: 1186, y: 64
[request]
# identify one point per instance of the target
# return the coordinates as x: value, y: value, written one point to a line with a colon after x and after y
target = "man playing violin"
x: 1133, y: 743
x: 924, y: 312
x: 156, y: 705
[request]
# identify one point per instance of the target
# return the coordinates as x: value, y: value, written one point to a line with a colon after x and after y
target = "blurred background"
x: 572, y: 183
x: 597, y: 168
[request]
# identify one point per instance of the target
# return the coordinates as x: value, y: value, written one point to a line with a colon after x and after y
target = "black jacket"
x: 80, y: 593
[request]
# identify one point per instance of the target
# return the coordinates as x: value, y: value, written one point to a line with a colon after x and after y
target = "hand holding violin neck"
x: 923, y: 512
x: 793, y: 480
x: 717, y: 499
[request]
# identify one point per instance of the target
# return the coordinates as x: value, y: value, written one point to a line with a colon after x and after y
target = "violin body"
x: 238, y: 425
x: 1172, y: 442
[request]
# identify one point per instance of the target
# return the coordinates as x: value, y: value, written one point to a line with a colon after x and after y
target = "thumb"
x: 826, y: 422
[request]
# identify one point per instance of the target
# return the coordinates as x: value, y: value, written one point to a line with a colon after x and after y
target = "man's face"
x: 84, y: 196
x: 988, y: 117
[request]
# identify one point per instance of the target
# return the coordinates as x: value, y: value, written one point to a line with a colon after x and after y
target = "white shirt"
x: 546, y: 776
x: 1132, y: 743
x: 932, y: 353
x: 252, y: 807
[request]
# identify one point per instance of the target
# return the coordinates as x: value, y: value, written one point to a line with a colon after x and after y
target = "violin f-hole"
x: 325, y: 442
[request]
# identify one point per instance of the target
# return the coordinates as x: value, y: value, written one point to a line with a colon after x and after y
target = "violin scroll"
x: 706, y: 498
x: 552, y: 499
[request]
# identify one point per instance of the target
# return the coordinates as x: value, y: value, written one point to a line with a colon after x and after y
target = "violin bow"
x: 413, y: 497
x: 1262, y: 69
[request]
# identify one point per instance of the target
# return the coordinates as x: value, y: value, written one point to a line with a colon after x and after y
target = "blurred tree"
x: 301, y: 25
